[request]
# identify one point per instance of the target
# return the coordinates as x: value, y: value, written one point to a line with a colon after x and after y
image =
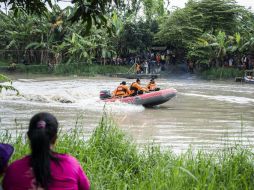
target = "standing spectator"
x: 162, y: 58
x: 191, y: 66
x: 157, y: 67
x: 230, y: 62
x: 158, y: 58
x: 145, y: 67
x: 152, y: 56
x: 152, y: 66
x: 138, y: 68
x: 173, y: 59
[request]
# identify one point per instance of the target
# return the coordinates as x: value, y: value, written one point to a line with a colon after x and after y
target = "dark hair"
x: 123, y: 83
x: 42, y: 133
x: 137, y: 80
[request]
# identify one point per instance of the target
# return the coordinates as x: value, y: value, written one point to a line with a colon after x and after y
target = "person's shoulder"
x: 67, y: 158
x: 21, y: 161
x: 69, y: 161
x: 18, y: 164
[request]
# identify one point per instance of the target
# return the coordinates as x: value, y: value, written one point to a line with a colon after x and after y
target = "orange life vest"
x: 122, y: 90
x: 135, y: 87
x: 151, y: 86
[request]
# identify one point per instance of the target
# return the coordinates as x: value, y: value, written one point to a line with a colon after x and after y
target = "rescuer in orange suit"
x: 152, y: 85
x: 137, y: 89
x: 122, y: 90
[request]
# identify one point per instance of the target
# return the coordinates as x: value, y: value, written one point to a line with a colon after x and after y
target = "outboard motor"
x: 104, y: 94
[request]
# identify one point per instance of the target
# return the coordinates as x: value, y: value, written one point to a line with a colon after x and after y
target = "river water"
x: 205, y: 114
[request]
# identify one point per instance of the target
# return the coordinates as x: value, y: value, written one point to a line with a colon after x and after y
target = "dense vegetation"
x: 207, y: 32
x: 113, y: 161
x: 7, y: 84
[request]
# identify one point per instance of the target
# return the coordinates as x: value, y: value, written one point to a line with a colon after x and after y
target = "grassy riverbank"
x: 64, y: 69
x: 113, y: 161
x: 222, y: 73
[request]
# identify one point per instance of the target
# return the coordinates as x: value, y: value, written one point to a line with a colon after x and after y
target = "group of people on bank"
x: 135, y: 88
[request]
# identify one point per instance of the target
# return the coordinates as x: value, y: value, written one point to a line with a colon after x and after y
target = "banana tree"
x: 216, y: 46
x: 248, y: 46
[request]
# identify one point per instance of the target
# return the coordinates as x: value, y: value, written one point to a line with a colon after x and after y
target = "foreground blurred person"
x: 45, y: 169
x: 6, y: 151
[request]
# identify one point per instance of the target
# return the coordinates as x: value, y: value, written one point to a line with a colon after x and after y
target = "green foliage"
x: 113, y: 161
x: 177, y: 29
x: 8, y: 86
x: 81, y: 69
x: 55, y: 36
x: 135, y: 37
x: 222, y: 73
x: 89, y: 69
x: 153, y: 9
x: 90, y: 12
x: 208, y: 31
x: 249, y: 45
x: 210, y: 47
x: 214, y: 15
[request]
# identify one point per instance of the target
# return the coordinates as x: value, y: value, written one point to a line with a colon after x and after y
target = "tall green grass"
x: 20, y: 68
x: 222, y: 73
x: 89, y: 69
x: 80, y: 69
x: 113, y: 161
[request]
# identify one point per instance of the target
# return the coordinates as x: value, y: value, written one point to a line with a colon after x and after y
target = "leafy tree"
x: 89, y: 11
x: 214, y: 15
x: 203, y: 21
x: 153, y: 9
x: 214, y: 49
x: 135, y: 38
x: 177, y: 29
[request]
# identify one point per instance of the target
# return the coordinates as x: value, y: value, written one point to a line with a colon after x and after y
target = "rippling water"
x: 209, y: 115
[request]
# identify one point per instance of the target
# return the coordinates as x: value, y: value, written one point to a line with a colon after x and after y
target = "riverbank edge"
x: 65, y: 69
x: 220, y: 73
x: 112, y: 160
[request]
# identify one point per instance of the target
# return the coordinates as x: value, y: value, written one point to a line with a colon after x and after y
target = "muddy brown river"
x: 205, y: 114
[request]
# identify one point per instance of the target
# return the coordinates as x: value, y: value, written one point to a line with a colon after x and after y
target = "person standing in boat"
x: 152, y: 86
x: 136, y: 88
x: 122, y: 90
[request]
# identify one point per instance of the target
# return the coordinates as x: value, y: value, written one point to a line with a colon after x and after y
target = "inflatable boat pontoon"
x: 148, y: 99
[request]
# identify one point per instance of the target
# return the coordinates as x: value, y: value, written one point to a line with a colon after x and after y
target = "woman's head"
x: 44, y: 125
x: 42, y: 133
